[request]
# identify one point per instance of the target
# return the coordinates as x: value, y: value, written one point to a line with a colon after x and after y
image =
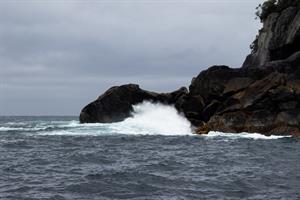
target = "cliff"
x: 262, y: 96
x: 278, y: 40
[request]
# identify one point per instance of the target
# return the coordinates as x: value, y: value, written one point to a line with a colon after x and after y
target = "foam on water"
x: 254, y: 136
x: 155, y: 118
x: 3, y: 128
x: 147, y: 119
x: 74, y: 164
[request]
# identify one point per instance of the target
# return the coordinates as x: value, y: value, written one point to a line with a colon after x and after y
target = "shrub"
x: 263, y: 10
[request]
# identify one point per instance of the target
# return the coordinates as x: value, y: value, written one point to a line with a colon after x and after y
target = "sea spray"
x: 155, y: 119
x: 147, y: 119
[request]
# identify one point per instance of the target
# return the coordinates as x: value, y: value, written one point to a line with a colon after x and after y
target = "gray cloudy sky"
x: 56, y: 56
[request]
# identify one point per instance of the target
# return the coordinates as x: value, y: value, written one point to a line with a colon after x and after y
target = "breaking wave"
x: 147, y: 119
x: 155, y: 118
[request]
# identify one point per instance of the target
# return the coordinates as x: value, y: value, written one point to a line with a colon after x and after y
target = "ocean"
x: 152, y: 155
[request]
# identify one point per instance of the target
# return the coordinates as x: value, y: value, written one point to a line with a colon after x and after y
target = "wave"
x: 154, y: 119
x: 147, y: 119
x: 254, y: 136
x: 45, y: 126
x: 4, y: 129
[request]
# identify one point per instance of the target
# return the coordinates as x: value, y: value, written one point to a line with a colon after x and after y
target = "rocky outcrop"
x: 116, y: 103
x: 266, y: 106
x: 279, y: 38
x: 263, y: 96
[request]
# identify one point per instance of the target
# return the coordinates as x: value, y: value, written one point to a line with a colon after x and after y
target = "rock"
x: 290, y: 118
x: 196, y: 122
x: 288, y: 65
x: 278, y: 39
x: 232, y: 122
x: 202, y: 130
x: 210, y: 110
x: 265, y: 106
x: 285, y: 130
x: 191, y: 106
x: 210, y: 84
x: 259, y: 121
x: 237, y: 84
x: 294, y: 86
x: 189, y: 103
x: 116, y: 103
x: 263, y: 96
x: 288, y: 105
x: 259, y: 89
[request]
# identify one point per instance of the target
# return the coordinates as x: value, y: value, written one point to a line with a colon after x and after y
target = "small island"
x: 262, y: 96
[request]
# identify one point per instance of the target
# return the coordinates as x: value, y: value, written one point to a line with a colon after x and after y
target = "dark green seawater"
x: 58, y: 158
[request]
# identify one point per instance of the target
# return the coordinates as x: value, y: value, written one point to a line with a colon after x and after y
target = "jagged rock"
x: 259, y: 89
x: 188, y: 103
x: 202, y: 130
x: 210, y: 84
x: 289, y: 65
x: 196, y: 122
x: 116, y: 103
x: 210, y: 110
x: 265, y: 106
x: 263, y: 96
x: 237, y: 84
x: 278, y: 39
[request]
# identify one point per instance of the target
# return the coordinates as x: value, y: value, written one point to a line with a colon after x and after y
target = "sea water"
x: 152, y: 155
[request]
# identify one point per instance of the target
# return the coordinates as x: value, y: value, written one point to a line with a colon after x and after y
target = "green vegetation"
x: 269, y: 6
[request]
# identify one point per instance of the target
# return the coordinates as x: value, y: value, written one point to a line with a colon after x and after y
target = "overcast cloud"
x: 56, y: 56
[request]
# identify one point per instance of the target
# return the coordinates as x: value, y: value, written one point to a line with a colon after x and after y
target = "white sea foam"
x: 3, y: 128
x: 155, y: 119
x: 255, y: 136
x: 15, y: 123
x: 147, y: 119
x: 76, y: 124
x: 71, y: 133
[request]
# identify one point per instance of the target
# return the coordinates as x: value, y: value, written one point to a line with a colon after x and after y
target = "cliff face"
x: 263, y: 96
x: 278, y: 40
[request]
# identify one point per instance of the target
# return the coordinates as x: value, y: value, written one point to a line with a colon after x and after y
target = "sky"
x: 57, y: 56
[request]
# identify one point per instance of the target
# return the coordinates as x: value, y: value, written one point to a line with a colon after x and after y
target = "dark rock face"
x: 246, y: 100
x: 116, y: 103
x: 210, y: 83
x: 260, y: 108
x: 278, y: 39
x: 263, y: 96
